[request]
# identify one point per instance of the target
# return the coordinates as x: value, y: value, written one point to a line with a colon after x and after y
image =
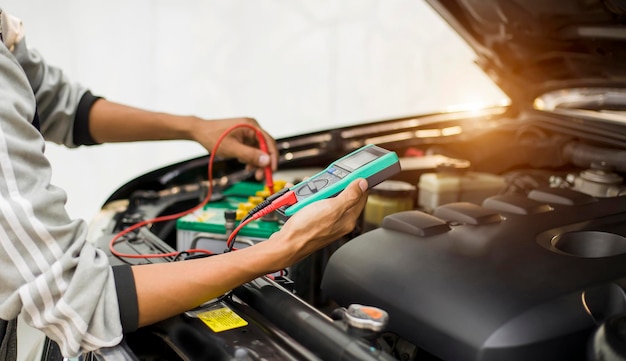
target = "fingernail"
x: 363, y: 185
x: 264, y: 160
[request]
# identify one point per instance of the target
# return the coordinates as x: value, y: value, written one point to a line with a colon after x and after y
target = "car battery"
x: 206, y: 228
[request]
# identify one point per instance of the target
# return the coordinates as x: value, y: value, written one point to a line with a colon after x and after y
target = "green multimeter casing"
x: 370, y: 162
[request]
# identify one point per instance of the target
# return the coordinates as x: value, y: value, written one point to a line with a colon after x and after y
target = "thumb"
x: 362, y: 184
x: 354, y: 191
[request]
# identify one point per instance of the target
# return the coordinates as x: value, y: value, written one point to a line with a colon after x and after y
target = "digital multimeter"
x: 370, y: 162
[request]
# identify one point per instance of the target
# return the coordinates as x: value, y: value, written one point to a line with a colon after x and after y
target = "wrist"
x: 187, y: 127
x: 288, y: 248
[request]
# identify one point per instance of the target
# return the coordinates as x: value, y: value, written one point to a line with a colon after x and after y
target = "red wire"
x: 262, y: 146
x: 286, y: 199
x: 232, y: 236
x: 269, y: 181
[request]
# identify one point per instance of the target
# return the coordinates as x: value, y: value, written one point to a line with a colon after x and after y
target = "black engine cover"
x: 517, y: 278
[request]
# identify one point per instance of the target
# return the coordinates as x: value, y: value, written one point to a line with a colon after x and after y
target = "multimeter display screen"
x: 370, y: 162
x: 357, y: 160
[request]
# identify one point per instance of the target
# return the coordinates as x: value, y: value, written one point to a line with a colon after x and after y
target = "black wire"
x: 266, y: 203
x: 198, y: 255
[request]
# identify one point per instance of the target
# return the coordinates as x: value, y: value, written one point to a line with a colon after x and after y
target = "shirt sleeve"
x: 63, y: 106
x: 58, y: 281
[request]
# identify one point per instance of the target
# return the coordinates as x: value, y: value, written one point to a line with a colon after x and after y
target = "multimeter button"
x: 312, y: 187
x: 303, y: 191
x: 337, y: 172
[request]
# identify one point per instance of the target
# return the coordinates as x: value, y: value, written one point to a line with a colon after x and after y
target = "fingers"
x: 347, y: 205
x: 247, y: 154
x: 353, y: 198
x: 235, y: 145
x: 272, y: 149
x: 323, y: 222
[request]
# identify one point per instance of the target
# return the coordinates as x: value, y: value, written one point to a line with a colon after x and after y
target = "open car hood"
x: 507, y: 241
x: 532, y: 47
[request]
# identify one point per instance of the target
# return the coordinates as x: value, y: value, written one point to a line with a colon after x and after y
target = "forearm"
x: 167, y: 289
x: 113, y: 122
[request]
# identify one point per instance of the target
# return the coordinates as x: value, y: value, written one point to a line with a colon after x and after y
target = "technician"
x: 62, y: 285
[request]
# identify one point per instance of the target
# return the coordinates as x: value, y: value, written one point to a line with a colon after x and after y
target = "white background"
x: 294, y: 65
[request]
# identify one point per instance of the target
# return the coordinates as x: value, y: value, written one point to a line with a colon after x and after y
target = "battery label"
x: 222, y: 319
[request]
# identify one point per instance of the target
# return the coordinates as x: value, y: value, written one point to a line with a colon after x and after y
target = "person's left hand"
x: 320, y: 223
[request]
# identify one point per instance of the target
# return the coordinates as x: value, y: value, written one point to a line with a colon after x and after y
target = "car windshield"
x: 607, y: 104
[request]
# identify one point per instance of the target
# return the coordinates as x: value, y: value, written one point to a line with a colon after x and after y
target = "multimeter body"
x: 370, y: 162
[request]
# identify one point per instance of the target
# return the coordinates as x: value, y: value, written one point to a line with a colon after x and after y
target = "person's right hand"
x: 321, y: 223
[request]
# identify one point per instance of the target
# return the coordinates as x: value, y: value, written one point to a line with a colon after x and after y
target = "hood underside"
x: 530, y: 47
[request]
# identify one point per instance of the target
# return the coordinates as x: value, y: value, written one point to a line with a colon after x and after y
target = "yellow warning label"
x: 222, y: 319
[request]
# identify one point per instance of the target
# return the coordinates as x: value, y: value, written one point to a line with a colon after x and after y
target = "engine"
x: 494, y: 245
x: 528, y: 273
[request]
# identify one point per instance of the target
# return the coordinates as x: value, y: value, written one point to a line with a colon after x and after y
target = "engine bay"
x: 503, y: 237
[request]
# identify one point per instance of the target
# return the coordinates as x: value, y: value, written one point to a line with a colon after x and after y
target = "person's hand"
x: 241, y: 143
x: 113, y: 122
x: 322, y: 222
x: 310, y: 229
